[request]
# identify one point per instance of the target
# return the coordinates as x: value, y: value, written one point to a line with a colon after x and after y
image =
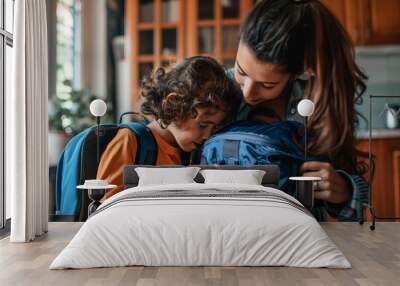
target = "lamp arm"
x: 98, y: 139
x: 305, y: 138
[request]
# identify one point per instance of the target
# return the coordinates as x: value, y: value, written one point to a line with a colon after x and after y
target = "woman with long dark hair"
x: 290, y: 50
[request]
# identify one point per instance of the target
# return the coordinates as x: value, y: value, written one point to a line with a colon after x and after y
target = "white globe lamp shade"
x: 98, y: 107
x: 305, y: 107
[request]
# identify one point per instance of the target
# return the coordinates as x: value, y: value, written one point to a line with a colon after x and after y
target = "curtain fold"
x: 27, y: 123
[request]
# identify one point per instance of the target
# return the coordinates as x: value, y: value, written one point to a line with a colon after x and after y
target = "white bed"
x: 224, y: 225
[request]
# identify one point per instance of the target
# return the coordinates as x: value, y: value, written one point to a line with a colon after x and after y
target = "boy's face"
x: 191, y: 133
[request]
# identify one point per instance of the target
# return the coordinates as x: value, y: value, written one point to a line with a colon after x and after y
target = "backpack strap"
x: 146, y: 153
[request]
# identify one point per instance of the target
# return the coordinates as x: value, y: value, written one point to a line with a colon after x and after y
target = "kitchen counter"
x: 378, y: 133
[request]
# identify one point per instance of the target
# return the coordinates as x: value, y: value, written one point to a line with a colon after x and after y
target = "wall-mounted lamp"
x: 305, y: 185
x: 305, y: 108
x: 98, y: 108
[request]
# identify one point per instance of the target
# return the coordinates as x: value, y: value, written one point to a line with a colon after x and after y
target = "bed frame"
x: 270, y: 179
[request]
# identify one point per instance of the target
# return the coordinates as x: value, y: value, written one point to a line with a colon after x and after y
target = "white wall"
x: 122, y: 76
x: 94, y: 46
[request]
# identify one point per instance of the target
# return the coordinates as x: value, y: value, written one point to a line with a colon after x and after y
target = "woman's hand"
x: 332, y: 188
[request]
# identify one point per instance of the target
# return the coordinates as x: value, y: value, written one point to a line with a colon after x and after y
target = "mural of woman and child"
x: 288, y: 50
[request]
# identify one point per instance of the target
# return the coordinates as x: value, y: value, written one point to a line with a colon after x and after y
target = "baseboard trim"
x: 53, y: 217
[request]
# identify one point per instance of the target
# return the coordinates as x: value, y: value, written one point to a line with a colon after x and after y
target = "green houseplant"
x: 69, y: 114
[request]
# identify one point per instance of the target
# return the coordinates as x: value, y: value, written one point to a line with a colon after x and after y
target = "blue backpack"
x: 78, y: 162
x: 257, y: 143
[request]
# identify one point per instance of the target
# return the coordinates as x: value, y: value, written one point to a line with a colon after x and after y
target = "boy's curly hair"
x: 194, y: 82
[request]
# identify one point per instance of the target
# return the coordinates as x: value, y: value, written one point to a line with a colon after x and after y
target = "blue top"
x: 348, y: 211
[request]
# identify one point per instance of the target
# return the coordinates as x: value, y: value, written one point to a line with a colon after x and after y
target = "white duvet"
x: 207, y: 230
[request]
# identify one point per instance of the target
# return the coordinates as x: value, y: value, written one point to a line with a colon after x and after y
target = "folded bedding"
x: 201, y: 225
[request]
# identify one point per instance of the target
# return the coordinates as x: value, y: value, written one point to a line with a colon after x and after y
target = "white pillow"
x: 166, y: 176
x: 248, y: 177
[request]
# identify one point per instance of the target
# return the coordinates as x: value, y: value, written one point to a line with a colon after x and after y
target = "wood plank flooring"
x: 374, y: 255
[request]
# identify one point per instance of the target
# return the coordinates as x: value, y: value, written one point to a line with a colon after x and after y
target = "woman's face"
x: 260, y: 81
x: 191, y: 133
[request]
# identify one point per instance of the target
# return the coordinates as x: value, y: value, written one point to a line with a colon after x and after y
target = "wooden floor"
x: 375, y: 256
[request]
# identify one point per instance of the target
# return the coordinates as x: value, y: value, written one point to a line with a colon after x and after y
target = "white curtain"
x: 26, y: 123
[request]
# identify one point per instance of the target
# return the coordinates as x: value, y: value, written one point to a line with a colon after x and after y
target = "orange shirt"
x: 121, y: 151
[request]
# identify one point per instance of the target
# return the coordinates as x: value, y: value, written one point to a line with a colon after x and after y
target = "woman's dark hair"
x: 304, y: 36
x: 172, y: 95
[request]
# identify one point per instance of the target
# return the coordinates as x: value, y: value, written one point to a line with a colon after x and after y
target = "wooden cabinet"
x: 396, y: 177
x: 369, y: 22
x: 386, y: 180
x: 344, y: 10
x: 213, y: 28
x: 156, y: 32
x: 380, y: 21
x: 165, y: 31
